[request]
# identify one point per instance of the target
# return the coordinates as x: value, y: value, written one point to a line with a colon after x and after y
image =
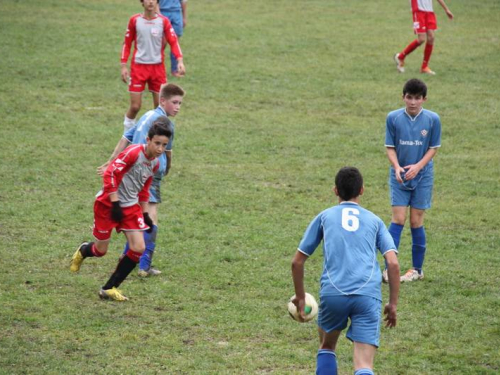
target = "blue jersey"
x: 170, y: 5
x: 351, y: 236
x: 412, y: 137
x: 139, y: 132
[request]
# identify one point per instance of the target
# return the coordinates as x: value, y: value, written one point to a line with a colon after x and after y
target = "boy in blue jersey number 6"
x: 412, y: 137
x: 351, y: 279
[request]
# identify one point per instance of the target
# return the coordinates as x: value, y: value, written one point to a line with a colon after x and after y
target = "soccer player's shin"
x: 418, y: 247
x: 326, y: 362
x: 125, y: 266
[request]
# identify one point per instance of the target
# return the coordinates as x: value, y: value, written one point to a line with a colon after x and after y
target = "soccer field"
x: 279, y: 95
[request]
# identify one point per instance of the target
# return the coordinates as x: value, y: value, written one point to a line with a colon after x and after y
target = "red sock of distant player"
x: 409, y: 49
x: 427, y: 55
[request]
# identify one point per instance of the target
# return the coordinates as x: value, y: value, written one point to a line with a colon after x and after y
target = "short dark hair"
x: 349, y: 183
x: 170, y: 90
x: 415, y: 86
x: 161, y: 126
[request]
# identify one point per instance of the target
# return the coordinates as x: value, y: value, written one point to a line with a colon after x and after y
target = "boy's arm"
x: 127, y: 46
x: 390, y: 310
x: 175, y: 48
x: 184, y: 13
x: 412, y: 170
x: 393, y: 159
x: 169, y: 160
x: 298, y: 281
x: 120, y: 146
x: 446, y: 9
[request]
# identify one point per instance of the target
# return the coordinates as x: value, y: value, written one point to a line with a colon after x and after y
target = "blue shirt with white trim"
x: 411, y: 136
x: 351, y: 236
x: 139, y: 132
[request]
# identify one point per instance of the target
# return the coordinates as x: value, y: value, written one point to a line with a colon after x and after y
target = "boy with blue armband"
x: 412, y: 138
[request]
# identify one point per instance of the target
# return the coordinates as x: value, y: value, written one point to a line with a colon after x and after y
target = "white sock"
x: 128, y: 123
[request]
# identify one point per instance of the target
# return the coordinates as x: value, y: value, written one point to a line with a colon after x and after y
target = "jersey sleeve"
x: 129, y: 133
x: 390, y: 132
x: 171, y: 38
x: 312, y: 237
x: 129, y: 38
x: 435, y: 140
x: 385, y: 241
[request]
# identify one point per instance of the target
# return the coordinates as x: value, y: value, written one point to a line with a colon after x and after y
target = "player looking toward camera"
x: 424, y: 25
x: 122, y: 204
x: 148, y: 32
x: 171, y: 97
x: 350, y: 285
x: 412, y: 138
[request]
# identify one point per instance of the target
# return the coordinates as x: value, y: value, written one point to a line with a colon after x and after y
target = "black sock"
x: 125, y: 266
x: 86, y: 250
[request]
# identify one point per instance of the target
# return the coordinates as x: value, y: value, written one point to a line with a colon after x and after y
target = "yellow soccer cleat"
x: 113, y: 294
x: 77, y: 259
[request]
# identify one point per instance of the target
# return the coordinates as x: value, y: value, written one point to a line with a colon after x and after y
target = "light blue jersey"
x: 170, y: 5
x: 139, y: 132
x: 412, y: 137
x: 351, y: 236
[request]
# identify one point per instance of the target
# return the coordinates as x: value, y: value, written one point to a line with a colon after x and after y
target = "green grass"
x: 280, y: 95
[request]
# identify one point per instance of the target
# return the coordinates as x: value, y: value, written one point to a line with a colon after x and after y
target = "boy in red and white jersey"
x: 149, y: 32
x: 424, y: 25
x: 122, y: 204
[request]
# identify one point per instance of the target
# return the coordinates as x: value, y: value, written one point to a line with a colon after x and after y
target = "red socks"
x: 427, y: 54
x: 409, y: 49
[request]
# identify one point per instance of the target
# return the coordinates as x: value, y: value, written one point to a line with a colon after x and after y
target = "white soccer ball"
x: 311, y: 308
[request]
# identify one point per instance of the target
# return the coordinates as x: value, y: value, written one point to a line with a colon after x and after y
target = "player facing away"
x: 171, y: 97
x: 148, y: 32
x: 350, y: 285
x: 424, y: 25
x: 176, y: 12
x: 412, y: 138
x: 122, y: 204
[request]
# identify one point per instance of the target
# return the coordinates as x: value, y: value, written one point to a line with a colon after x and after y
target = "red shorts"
x: 423, y: 21
x: 133, y: 220
x: 152, y: 74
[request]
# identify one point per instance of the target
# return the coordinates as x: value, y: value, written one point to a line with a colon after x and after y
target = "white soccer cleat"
x: 411, y: 275
x: 400, y: 64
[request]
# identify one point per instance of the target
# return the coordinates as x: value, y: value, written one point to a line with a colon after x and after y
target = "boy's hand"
x: 411, y: 171
x: 400, y: 174
x: 116, y: 212
x: 300, y: 303
x: 124, y: 73
x: 390, y: 315
x: 102, y: 169
x: 449, y: 14
x: 181, y: 69
x: 148, y: 222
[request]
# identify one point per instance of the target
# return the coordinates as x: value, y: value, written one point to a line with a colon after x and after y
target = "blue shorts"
x: 416, y: 193
x: 363, y: 311
x: 175, y: 18
x: 154, y: 191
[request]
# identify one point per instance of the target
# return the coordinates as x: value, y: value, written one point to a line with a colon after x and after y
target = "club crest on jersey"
x: 155, y: 31
x: 424, y: 132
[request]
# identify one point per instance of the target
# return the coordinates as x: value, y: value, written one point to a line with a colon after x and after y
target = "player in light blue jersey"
x: 412, y: 138
x: 350, y: 285
x: 176, y: 12
x: 171, y: 97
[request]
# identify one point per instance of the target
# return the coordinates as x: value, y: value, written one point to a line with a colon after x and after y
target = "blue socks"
x: 395, y: 230
x: 326, y: 362
x: 147, y: 256
x: 418, y: 247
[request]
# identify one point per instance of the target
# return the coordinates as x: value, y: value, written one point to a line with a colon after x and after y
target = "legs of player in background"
x: 326, y: 360
x: 429, y: 45
x: 135, y: 106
